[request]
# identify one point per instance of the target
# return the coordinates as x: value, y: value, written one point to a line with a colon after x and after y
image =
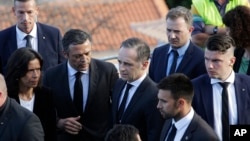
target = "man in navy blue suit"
x: 134, y: 96
x: 211, y: 102
x: 180, y: 55
x: 42, y: 38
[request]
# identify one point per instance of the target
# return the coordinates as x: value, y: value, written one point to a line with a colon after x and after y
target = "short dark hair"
x: 17, y: 67
x: 179, y: 85
x: 219, y: 43
x: 122, y: 132
x: 75, y: 37
x: 142, y: 48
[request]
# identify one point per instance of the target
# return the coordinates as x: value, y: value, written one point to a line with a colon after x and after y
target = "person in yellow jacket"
x: 207, y: 17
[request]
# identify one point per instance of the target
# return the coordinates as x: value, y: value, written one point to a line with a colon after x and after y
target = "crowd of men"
x: 51, y: 88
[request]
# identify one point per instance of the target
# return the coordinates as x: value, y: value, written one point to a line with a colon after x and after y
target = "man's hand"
x: 70, y: 125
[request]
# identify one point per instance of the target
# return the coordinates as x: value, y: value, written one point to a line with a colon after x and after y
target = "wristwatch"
x: 215, y: 30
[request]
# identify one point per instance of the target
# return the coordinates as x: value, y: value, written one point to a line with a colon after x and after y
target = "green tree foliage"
x: 174, y: 3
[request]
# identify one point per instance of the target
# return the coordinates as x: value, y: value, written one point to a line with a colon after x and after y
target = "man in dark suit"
x: 211, y: 100
x: 83, y: 116
x: 17, y: 123
x: 43, y: 38
x: 175, y: 98
x: 136, y: 105
x: 180, y: 55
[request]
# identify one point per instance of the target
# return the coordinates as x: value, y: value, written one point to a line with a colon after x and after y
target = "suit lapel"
x: 137, y: 95
x: 186, y: 58
x: 63, y: 78
x: 165, y: 129
x: 117, y: 94
x: 207, y: 99
x: 93, y: 81
x: 191, y: 127
x: 163, y: 62
x: 241, y: 98
x: 41, y: 39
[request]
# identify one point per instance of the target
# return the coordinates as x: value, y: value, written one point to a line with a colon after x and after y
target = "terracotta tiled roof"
x: 109, y: 21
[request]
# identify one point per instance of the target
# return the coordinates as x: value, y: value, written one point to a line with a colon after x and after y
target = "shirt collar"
x: 21, y: 34
x: 181, y: 50
x: 72, y: 71
x: 230, y: 79
x: 185, y: 120
x: 138, y: 81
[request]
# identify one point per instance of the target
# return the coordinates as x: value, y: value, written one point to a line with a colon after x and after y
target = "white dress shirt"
x: 85, y: 83
x: 182, y: 125
x: 217, y: 103
x: 135, y: 84
x: 21, y: 42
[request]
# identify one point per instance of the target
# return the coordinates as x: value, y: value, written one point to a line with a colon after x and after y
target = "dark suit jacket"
x: 198, y: 130
x: 141, y: 111
x: 96, y: 117
x: 19, y: 124
x: 239, y: 53
x: 44, y: 108
x: 203, y: 98
x: 192, y: 64
x: 49, y: 45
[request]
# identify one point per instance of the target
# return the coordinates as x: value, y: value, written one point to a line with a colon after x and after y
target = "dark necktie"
x: 28, y: 41
x: 78, y: 93
x: 123, y: 104
x: 173, y: 66
x: 172, y: 133
x: 225, y: 112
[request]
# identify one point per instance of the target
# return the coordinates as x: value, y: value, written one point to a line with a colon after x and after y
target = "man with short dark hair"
x: 222, y: 97
x: 134, y: 98
x: 182, y: 123
x: 82, y: 88
x: 28, y: 32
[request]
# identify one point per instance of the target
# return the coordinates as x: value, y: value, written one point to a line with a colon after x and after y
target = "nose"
x: 25, y: 16
x: 209, y: 64
x: 158, y: 105
x: 171, y: 35
x: 121, y: 66
x: 36, y: 73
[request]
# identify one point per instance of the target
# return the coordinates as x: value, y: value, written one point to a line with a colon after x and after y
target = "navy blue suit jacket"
x: 192, y: 64
x: 203, y: 98
x: 141, y: 111
x: 49, y: 45
x: 197, y: 130
x: 96, y: 117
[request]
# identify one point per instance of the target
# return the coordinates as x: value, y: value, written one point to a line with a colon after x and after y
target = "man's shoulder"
x: 56, y: 69
x: 161, y: 49
x: 242, y: 77
x: 200, y: 78
x: 46, y: 26
x: 7, y: 30
x: 101, y: 63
